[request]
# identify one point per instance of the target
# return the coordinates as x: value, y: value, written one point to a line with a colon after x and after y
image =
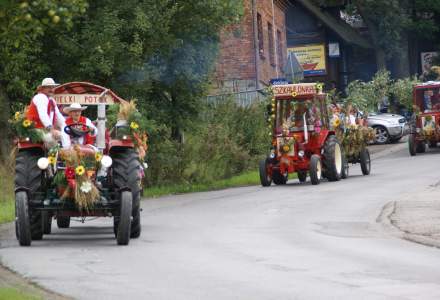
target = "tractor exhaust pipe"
x: 306, y: 132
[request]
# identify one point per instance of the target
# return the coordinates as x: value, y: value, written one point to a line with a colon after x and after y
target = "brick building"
x: 254, y: 51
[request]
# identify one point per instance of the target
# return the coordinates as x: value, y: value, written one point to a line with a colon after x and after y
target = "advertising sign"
x: 427, y: 60
x: 297, y: 89
x: 311, y: 58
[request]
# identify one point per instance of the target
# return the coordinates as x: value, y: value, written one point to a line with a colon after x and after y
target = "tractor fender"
x: 22, y: 189
x: 120, y: 144
x: 28, y: 145
x: 322, y: 137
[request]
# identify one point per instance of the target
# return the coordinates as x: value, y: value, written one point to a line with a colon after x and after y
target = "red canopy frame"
x: 85, y: 93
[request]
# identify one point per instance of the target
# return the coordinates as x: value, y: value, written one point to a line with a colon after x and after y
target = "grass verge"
x: 7, y: 206
x: 246, y: 179
x: 14, y: 294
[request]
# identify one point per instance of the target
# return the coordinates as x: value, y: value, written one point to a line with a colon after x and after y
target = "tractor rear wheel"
x: 22, y: 224
x: 265, y: 176
x: 365, y: 161
x: 47, y: 222
x: 124, y: 225
x: 63, y: 221
x: 333, y: 159
x: 315, y: 169
x: 126, y: 167
x: 280, y: 179
x: 302, y: 176
x: 412, y: 145
x: 29, y: 176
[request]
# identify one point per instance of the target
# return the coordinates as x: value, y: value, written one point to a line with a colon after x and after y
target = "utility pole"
x: 256, y: 44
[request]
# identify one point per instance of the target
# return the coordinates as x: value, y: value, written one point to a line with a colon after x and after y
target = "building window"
x: 260, y: 36
x: 271, y: 44
x: 280, y: 49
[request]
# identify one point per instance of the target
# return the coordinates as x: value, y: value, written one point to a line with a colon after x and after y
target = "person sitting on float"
x: 82, y: 123
x: 44, y: 113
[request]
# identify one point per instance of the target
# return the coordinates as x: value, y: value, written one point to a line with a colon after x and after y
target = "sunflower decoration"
x: 98, y: 156
x: 336, y: 122
x: 80, y: 170
x: 134, y: 125
x: 294, y: 94
x: 27, y: 123
x: 17, y: 116
x: 52, y: 160
x: 319, y: 87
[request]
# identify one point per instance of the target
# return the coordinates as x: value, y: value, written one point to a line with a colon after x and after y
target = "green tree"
x: 23, y: 29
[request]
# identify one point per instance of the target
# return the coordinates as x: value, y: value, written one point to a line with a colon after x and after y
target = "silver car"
x: 389, y: 127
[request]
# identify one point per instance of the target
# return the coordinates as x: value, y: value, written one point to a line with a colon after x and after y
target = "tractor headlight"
x: 301, y: 153
x: 272, y: 154
x: 106, y: 161
x: 145, y: 165
x: 43, y: 163
x: 125, y: 137
x: 418, y: 130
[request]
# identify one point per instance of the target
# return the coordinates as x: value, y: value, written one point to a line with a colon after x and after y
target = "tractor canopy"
x: 426, y: 96
x: 299, y: 107
x: 84, y: 93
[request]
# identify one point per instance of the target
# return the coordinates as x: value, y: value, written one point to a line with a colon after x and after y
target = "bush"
x: 227, y: 140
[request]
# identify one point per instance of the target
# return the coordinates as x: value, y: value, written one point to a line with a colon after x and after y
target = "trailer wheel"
x: 47, y: 222
x: 315, y: 169
x: 365, y: 161
x: 22, y: 224
x: 345, y: 167
x: 265, y: 174
x: 29, y: 176
x: 63, y: 221
x: 302, y: 176
x: 333, y: 159
x: 412, y: 145
x: 420, y: 147
x: 124, y: 227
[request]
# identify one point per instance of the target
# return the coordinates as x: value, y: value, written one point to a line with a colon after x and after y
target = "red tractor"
x: 47, y: 180
x: 425, y: 124
x: 302, y: 141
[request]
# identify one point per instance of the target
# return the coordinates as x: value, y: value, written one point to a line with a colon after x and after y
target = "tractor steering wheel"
x: 77, y: 130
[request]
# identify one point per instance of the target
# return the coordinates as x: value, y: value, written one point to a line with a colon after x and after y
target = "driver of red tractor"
x: 44, y: 113
x: 74, y: 111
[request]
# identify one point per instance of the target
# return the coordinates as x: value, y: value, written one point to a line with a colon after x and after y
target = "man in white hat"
x: 75, y: 118
x: 44, y: 113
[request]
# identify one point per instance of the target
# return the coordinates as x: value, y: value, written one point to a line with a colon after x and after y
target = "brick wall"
x: 235, y: 69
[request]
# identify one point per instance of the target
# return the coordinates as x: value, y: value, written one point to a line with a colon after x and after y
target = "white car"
x: 388, y: 127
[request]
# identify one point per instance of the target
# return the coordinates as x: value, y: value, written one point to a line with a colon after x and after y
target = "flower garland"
x: 129, y: 114
x: 78, y: 177
x: 25, y: 129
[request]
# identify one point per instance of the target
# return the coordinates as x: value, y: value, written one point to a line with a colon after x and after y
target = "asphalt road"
x: 283, y: 242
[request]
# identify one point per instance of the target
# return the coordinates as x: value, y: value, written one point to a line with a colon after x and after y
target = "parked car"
x: 389, y: 127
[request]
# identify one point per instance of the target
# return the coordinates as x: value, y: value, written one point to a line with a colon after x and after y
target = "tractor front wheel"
x: 420, y: 147
x: 280, y: 179
x: 302, y: 176
x: 265, y: 174
x: 63, y: 221
x: 124, y: 225
x: 365, y: 161
x: 22, y: 224
x: 47, y: 222
x: 333, y: 159
x: 315, y: 169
